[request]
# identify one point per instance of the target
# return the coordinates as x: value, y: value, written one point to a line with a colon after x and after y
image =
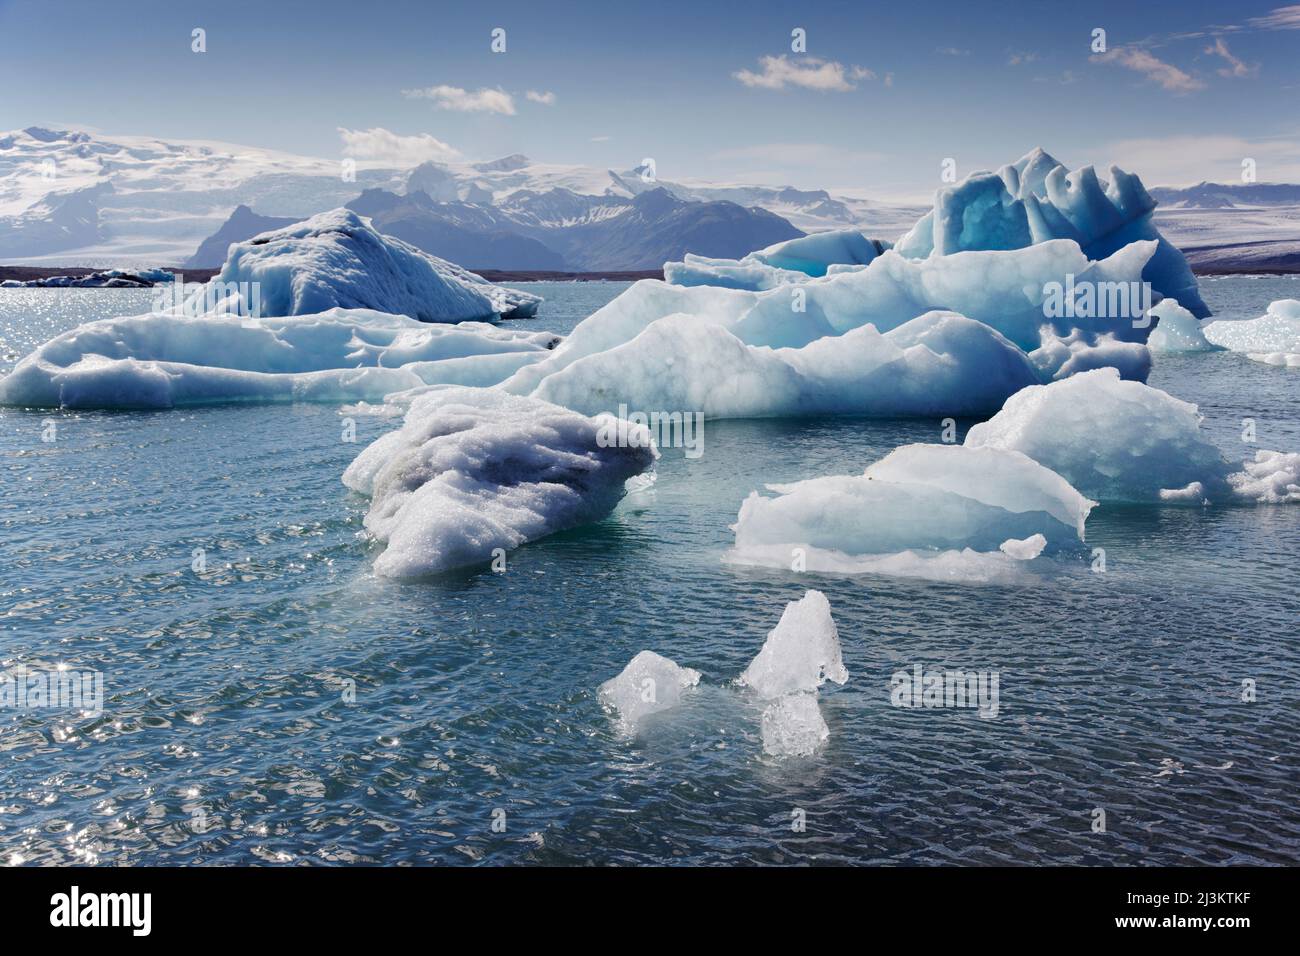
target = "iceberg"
x: 168, y: 361
x: 1036, y: 200
x: 946, y: 512
x: 338, y: 260
x: 650, y: 683
x: 940, y: 363
x: 1273, y: 338
x: 1177, y: 330
x: 783, y: 263
x: 799, y: 655
x: 474, y: 470
x: 1124, y: 441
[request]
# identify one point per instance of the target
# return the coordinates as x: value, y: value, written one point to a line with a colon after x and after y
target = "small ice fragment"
x: 793, y: 726
x: 800, y: 653
x: 650, y: 683
x: 1024, y: 550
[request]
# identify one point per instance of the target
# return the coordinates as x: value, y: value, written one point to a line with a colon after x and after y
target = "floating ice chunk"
x: 1177, y: 330
x: 920, y: 502
x: 793, y: 726
x: 1273, y: 338
x: 1272, y: 478
x: 791, y: 261
x: 1037, y: 200
x: 801, y: 653
x: 166, y: 360
x: 1113, y: 440
x: 1057, y: 357
x: 1025, y: 550
x: 953, y: 566
x: 337, y: 259
x: 472, y: 470
x: 650, y: 683
x: 940, y: 363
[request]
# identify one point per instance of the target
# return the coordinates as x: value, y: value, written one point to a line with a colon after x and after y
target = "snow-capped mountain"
x: 76, y: 198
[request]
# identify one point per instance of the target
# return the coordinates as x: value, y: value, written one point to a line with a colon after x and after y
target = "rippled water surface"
x: 230, y: 733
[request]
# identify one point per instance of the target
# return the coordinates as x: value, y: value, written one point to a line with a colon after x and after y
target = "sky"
x: 875, y: 101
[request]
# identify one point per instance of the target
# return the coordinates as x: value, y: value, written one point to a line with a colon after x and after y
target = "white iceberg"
x: 801, y: 653
x: 338, y: 260
x: 937, y: 511
x: 650, y: 683
x: 1273, y: 338
x: 1177, y: 330
x: 474, y: 470
x: 1036, y: 200
x: 939, y: 364
x: 1125, y: 441
x: 166, y: 361
x: 1060, y: 357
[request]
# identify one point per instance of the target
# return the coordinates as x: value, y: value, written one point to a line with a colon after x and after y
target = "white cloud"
x: 1019, y: 57
x: 1280, y: 18
x: 1235, y: 66
x: 951, y: 51
x: 546, y: 98
x: 601, y: 139
x: 1167, y: 75
x: 465, y: 101
x: 1185, y: 160
x: 384, y: 146
x: 809, y: 72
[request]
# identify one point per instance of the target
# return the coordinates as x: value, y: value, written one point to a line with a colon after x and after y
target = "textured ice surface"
x: 1273, y: 477
x: 801, y: 653
x: 648, y: 684
x: 1036, y: 199
x: 781, y: 264
x: 162, y: 361
x: 1273, y: 338
x: 935, y: 511
x: 938, y: 364
x: 1062, y: 356
x: 472, y: 470
x: 793, y: 726
x: 1125, y: 441
x: 336, y: 259
x: 1177, y: 330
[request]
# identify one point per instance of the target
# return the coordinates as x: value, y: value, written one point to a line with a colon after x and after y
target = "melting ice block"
x: 793, y: 726
x: 936, y: 511
x: 338, y: 260
x: 650, y: 683
x: 165, y: 361
x: 1125, y: 441
x: 801, y: 653
x: 1273, y: 338
x: 1035, y: 200
x: 472, y: 470
x: 1177, y: 330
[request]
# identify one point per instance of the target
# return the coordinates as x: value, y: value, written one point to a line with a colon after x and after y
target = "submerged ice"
x: 475, y: 472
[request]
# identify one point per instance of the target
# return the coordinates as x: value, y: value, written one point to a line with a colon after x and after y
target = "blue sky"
x: 883, y: 93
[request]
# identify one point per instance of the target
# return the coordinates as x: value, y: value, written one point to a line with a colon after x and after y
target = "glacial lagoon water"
x: 285, y: 706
